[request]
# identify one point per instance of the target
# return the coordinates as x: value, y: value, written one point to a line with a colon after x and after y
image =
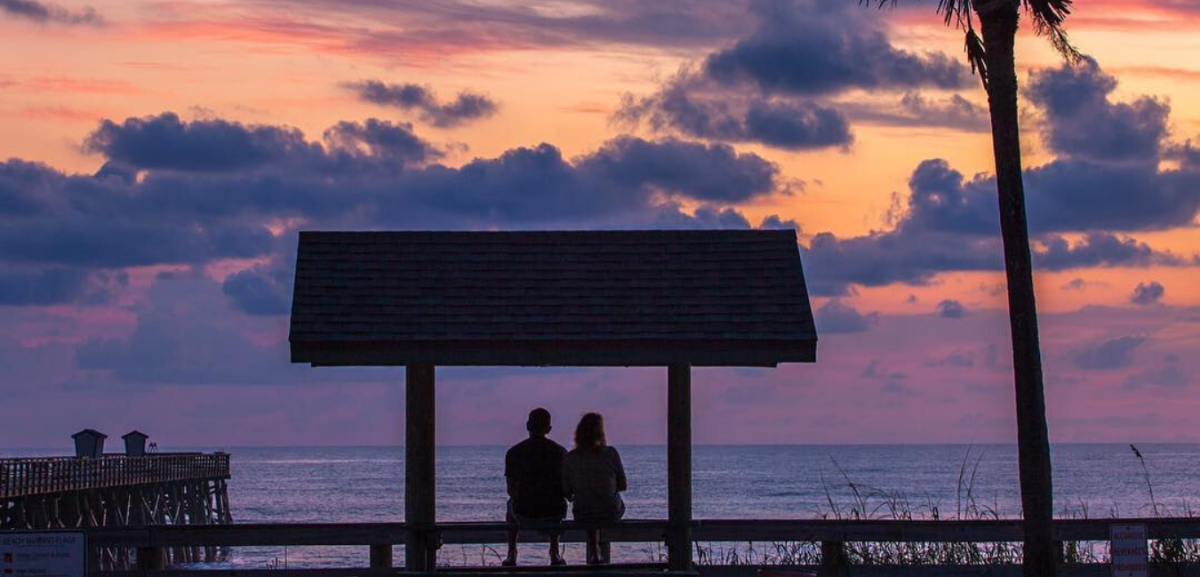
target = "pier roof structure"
x: 594, y: 298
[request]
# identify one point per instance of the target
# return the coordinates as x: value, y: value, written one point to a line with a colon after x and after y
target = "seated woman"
x: 593, y: 479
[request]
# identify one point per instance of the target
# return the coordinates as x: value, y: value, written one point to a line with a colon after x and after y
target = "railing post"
x: 381, y: 557
x: 834, y: 562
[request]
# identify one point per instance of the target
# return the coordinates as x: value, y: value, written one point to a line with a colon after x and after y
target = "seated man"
x: 533, y: 468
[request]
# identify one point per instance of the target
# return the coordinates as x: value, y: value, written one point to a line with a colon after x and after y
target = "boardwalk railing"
x: 26, y: 477
x: 832, y: 535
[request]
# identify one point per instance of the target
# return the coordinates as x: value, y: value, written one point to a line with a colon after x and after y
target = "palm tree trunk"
x: 998, y: 22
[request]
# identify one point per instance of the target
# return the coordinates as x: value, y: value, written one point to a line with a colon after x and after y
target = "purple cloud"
x: 767, y: 87
x: 206, y: 190
x: 914, y: 109
x: 1111, y: 354
x: 951, y: 309
x: 837, y: 317
x: 466, y: 107
x: 1082, y: 123
x: 1169, y: 376
x: 1147, y: 293
x: 790, y: 125
x: 818, y: 48
x: 1103, y: 183
x: 45, y: 13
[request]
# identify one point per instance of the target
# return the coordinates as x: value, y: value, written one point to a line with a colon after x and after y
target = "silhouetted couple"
x: 543, y: 476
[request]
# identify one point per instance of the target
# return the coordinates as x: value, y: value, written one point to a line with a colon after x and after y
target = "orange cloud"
x: 75, y: 85
x: 64, y: 113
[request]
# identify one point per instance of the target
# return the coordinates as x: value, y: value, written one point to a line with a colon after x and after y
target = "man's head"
x: 539, y: 422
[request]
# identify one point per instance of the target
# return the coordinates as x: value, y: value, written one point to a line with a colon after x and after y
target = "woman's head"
x: 589, y: 434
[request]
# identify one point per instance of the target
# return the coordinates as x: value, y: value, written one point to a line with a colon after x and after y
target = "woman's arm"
x: 622, y: 482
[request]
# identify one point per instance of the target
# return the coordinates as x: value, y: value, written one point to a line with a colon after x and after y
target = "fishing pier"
x: 94, y: 490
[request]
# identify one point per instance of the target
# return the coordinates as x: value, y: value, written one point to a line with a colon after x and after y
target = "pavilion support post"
x: 679, y: 467
x: 419, y: 478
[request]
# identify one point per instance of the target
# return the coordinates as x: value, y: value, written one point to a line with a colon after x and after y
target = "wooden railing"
x: 832, y: 535
x: 43, y: 475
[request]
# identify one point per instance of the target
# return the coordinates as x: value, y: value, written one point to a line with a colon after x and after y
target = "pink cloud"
x: 906, y: 378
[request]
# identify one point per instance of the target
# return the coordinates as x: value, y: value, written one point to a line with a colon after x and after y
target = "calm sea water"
x: 363, y: 484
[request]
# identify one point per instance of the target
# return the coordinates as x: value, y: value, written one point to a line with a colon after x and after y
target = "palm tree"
x: 992, y: 57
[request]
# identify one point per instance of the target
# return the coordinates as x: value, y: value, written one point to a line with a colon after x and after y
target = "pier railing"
x: 24, y: 477
x: 832, y: 535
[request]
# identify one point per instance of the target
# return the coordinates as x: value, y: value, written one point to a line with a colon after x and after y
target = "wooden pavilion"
x: 674, y: 299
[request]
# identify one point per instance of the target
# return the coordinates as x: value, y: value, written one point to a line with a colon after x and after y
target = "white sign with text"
x: 1129, y: 551
x: 43, y: 554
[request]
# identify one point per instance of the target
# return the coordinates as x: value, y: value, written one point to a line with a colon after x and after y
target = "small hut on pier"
x: 674, y: 299
x: 135, y: 443
x: 89, y: 443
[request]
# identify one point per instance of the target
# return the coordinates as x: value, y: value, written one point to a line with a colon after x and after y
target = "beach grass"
x: 862, y: 502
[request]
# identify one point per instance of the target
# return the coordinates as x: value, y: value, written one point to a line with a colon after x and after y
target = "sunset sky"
x: 157, y: 159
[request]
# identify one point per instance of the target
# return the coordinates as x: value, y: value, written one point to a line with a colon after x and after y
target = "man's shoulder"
x: 519, y: 447
x: 532, y: 444
x: 543, y: 444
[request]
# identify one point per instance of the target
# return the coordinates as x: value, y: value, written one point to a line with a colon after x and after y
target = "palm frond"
x: 956, y: 13
x: 959, y: 14
x: 1049, y: 17
x: 976, y: 56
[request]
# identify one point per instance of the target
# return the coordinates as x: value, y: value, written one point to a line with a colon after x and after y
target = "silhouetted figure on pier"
x: 533, y: 468
x: 593, y: 479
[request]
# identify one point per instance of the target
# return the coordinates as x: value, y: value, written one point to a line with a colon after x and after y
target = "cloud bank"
x: 174, y: 192
x: 774, y: 85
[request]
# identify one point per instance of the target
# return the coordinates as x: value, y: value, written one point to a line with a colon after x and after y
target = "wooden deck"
x: 25, y: 477
x: 832, y: 535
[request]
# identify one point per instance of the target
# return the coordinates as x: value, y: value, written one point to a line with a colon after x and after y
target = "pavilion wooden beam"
x: 419, y: 478
x: 679, y: 466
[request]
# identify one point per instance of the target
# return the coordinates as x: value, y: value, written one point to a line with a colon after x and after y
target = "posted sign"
x: 1129, y: 551
x: 42, y: 554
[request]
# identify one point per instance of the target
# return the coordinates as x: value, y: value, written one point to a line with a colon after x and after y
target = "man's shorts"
x: 511, y: 516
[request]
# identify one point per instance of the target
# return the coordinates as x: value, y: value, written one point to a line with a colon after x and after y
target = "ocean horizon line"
x: 176, y: 448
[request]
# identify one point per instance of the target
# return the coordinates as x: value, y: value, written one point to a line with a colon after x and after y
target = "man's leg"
x: 593, y: 547
x: 512, y: 546
x: 555, y: 552
x: 605, y: 549
x: 513, y: 531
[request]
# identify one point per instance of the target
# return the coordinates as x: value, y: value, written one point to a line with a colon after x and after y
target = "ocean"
x: 366, y: 484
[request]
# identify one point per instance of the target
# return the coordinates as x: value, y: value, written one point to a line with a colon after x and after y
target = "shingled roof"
x: 596, y: 298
